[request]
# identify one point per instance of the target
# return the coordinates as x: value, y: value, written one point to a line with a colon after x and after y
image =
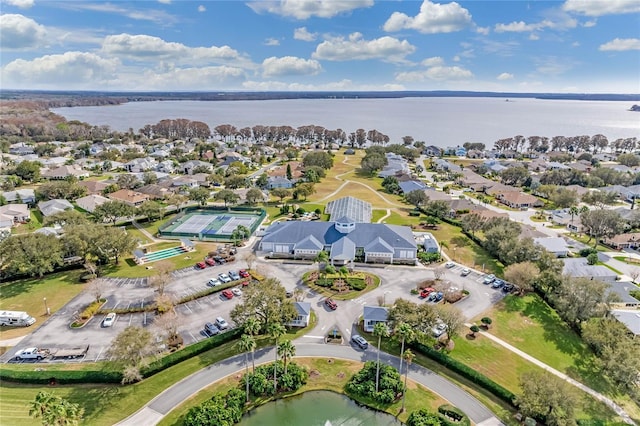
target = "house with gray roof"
x: 396, y: 164
x: 279, y: 182
x: 350, y: 207
x: 90, y: 202
x: 371, y: 315
x: 623, y: 299
x: 554, y: 245
x: 27, y: 196
x: 343, y: 239
x: 630, y: 318
x: 12, y: 214
x: 429, y: 242
x: 303, y: 310
x: 51, y: 207
x: 411, y: 185
x: 579, y: 268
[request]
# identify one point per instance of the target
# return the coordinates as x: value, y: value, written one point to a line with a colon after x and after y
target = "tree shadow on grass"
x: 96, y: 399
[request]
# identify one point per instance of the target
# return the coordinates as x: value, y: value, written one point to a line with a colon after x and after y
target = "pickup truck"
x: 53, y: 353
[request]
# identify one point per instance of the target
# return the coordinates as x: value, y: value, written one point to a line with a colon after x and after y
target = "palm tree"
x: 276, y: 330
x: 252, y: 327
x: 380, y: 330
x: 42, y: 404
x: 573, y: 211
x: 408, y: 357
x: 405, y: 332
x: 321, y: 258
x: 247, y: 344
x: 286, y: 350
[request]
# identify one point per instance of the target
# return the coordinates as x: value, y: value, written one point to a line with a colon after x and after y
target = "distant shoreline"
x: 88, y: 98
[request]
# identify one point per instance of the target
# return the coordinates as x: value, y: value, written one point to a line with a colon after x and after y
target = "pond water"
x: 318, y: 408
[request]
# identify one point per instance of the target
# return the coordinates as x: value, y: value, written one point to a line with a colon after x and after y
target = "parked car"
x: 209, y: 261
x: 224, y: 277
x: 236, y: 292
x: 227, y: 294
x: 426, y: 292
x: 201, y: 265
x: 508, y: 288
x: 213, y: 282
x: 449, y: 264
x: 234, y: 275
x: 219, y: 260
x: 211, y: 329
x: 243, y: 273
x: 439, y: 296
x: 465, y: 272
x: 331, y: 304
x: 439, y: 329
x: 221, y: 323
x: 109, y: 319
x: 497, y: 283
x: 360, y: 341
x: 489, y: 279
x: 289, y: 293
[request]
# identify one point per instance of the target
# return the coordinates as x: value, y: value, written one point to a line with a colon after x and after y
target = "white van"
x: 16, y: 318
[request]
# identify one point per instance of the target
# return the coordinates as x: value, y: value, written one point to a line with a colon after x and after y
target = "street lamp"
x: 46, y: 308
x: 384, y: 297
x: 454, y: 253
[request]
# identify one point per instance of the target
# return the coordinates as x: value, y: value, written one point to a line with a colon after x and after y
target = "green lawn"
x: 152, y: 227
x: 28, y: 295
x: 529, y: 324
x: 137, y: 234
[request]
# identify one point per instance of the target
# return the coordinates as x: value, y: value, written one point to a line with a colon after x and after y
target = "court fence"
x: 165, y: 231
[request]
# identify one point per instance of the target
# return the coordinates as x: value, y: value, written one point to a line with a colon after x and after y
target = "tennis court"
x: 210, y: 224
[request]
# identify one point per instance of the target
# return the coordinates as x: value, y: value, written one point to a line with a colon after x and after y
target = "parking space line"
x: 192, y: 336
x: 130, y: 319
x: 99, y: 353
x: 187, y: 306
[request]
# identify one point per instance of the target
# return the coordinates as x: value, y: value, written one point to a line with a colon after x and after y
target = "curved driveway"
x: 161, y: 405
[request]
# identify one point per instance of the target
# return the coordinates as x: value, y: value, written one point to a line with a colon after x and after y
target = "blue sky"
x: 584, y: 46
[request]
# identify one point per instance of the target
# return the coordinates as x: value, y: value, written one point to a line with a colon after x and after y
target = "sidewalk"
x: 615, y: 407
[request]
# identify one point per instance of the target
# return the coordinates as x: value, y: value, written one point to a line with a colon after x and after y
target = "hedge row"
x: 35, y: 377
x: 190, y: 351
x: 110, y: 376
x: 447, y: 412
x: 465, y: 371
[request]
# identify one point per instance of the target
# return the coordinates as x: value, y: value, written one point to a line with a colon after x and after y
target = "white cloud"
x: 433, y: 18
x: 341, y: 85
x: 483, y: 30
x: 621, y: 44
x: 150, y: 48
x: 505, y: 76
x: 20, y: 32
x: 534, y: 36
x: 438, y: 73
x: 71, y: 69
x: 202, y: 8
x: 272, y: 42
x: 304, y: 35
x: 602, y: 7
x: 553, y: 65
x: 516, y: 27
x: 304, y: 9
x: 456, y: 58
x: 204, y: 78
x: 143, y: 14
x: 432, y: 62
x: 22, y: 4
x: 589, y: 24
x: 356, y: 48
x: 164, y: 1
x: 289, y: 65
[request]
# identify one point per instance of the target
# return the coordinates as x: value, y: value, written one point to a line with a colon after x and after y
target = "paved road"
x: 161, y: 405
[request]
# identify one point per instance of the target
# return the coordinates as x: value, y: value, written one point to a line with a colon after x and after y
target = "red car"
x: 426, y: 292
x: 245, y: 283
x: 228, y: 294
x: 243, y: 273
x: 201, y: 265
x: 331, y: 304
x: 210, y: 261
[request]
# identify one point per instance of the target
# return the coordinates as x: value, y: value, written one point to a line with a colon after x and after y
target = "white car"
x: 221, y: 323
x: 213, y: 282
x: 236, y: 292
x: 109, y: 319
x: 224, y: 278
x: 449, y: 264
x: 465, y: 272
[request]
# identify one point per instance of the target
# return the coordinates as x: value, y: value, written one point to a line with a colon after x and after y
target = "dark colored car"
x: 331, y: 304
x: 201, y: 265
x: 211, y: 329
x: 209, y: 261
x: 508, y: 288
x: 360, y: 341
x: 227, y: 294
x: 436, y: 296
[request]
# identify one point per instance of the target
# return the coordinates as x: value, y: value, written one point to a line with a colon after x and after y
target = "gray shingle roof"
x: 303, y: 308
x: 375, y: 313
x: 343, y: 249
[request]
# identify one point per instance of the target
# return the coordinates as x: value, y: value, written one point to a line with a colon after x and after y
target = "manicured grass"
x: 401, y: 217
x: 327, y: 374
x: 585, y: 240
x: 34, y: 223
x: 137, y: 234
x: 152, y: 227
x: 127, y: 268
x: 529, y: 324
x: 28, y: 295
x: 347, y: 295
x: 377, y: 214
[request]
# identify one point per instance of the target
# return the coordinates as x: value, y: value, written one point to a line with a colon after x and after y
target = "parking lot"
x: 396, y: 282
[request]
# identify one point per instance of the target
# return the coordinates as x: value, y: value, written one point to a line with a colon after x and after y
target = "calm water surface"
x: 319, y: 408
x: 437, y: 121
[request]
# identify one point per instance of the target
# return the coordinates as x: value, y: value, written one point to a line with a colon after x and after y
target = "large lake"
x: 438, y: 121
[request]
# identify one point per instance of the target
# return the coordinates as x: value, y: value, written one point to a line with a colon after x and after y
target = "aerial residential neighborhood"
x: 339, y: 243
